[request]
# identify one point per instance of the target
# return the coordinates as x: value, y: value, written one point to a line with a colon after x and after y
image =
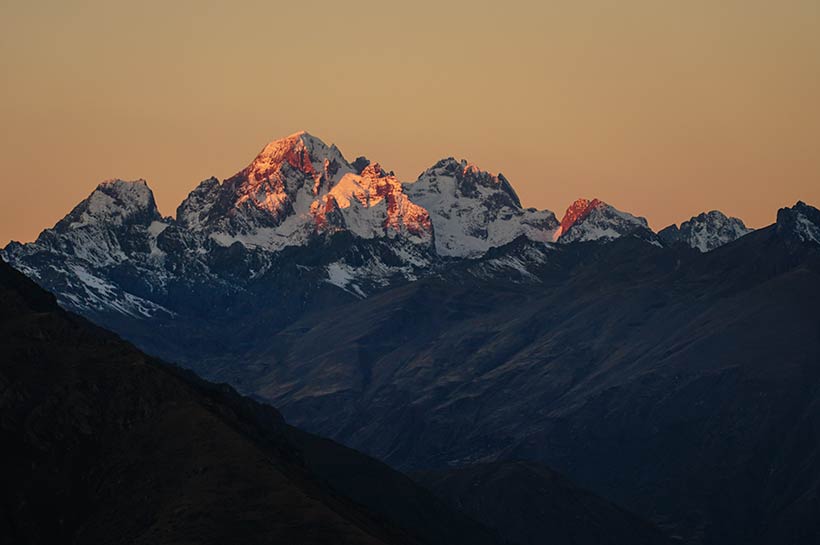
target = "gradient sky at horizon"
x: 663, y: 109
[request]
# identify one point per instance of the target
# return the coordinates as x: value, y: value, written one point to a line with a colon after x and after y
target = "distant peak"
x: 718, y: 217
x: 448, y: 163
x: 299, y: 151
x: 270, y: 189
x: 469, y: 176
x: 576, y: 211
x: 705, y: 232
x: 360, y: 164
x: 583, y: 204
x: 114, y: 201
x: 290, y: 148
x: 711, y: 214
x: 373, y: 170
x: 802, y: 206
x: 713, y: 217
x: 800, y: 222
x: 126, y: 192
x: 460, y: 168
x: 119, y: 182
x: 592, y: 220
x: 302, y: 138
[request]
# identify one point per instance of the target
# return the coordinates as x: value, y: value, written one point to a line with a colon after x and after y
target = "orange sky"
x: 664, y: 109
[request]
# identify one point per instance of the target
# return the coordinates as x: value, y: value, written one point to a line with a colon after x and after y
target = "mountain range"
x: 104, y: 444
x: 350, y: 225
x: 439, y: 324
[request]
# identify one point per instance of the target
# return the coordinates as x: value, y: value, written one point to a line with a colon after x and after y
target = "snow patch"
x: 342, y: 276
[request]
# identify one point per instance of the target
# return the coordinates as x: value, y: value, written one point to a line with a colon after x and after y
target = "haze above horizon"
x: 661, y: 110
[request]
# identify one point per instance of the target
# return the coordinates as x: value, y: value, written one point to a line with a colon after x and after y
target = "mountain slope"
x: 107, y: 242
x: 529, y: 504
x: 101, y: 444
x: 682, y: 385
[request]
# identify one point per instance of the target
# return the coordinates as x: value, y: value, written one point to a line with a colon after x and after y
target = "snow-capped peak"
x: 705, y: 232
x: 372, y: 204
x: 473, y: 211
x: 299, y: 187
x: 469, y: 181
x: 800, y: 222
x: 300, y: 151
x: 268, y: 202
x: 587, y: 220
x: 115, y: 253
x: 117, y: 223
x: 576, y: 212
x: 283, y: 168
x: 114, y: 202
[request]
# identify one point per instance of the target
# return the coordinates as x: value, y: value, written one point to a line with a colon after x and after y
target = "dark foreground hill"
x: 101, y: 444
x: 526, y: 502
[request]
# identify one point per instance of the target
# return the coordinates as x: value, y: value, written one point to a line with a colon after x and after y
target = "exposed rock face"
x: 799, y: 223
x: 705, y: 232
x: 113, y: 203
x: 297, y: 188
x: 595, y: 220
